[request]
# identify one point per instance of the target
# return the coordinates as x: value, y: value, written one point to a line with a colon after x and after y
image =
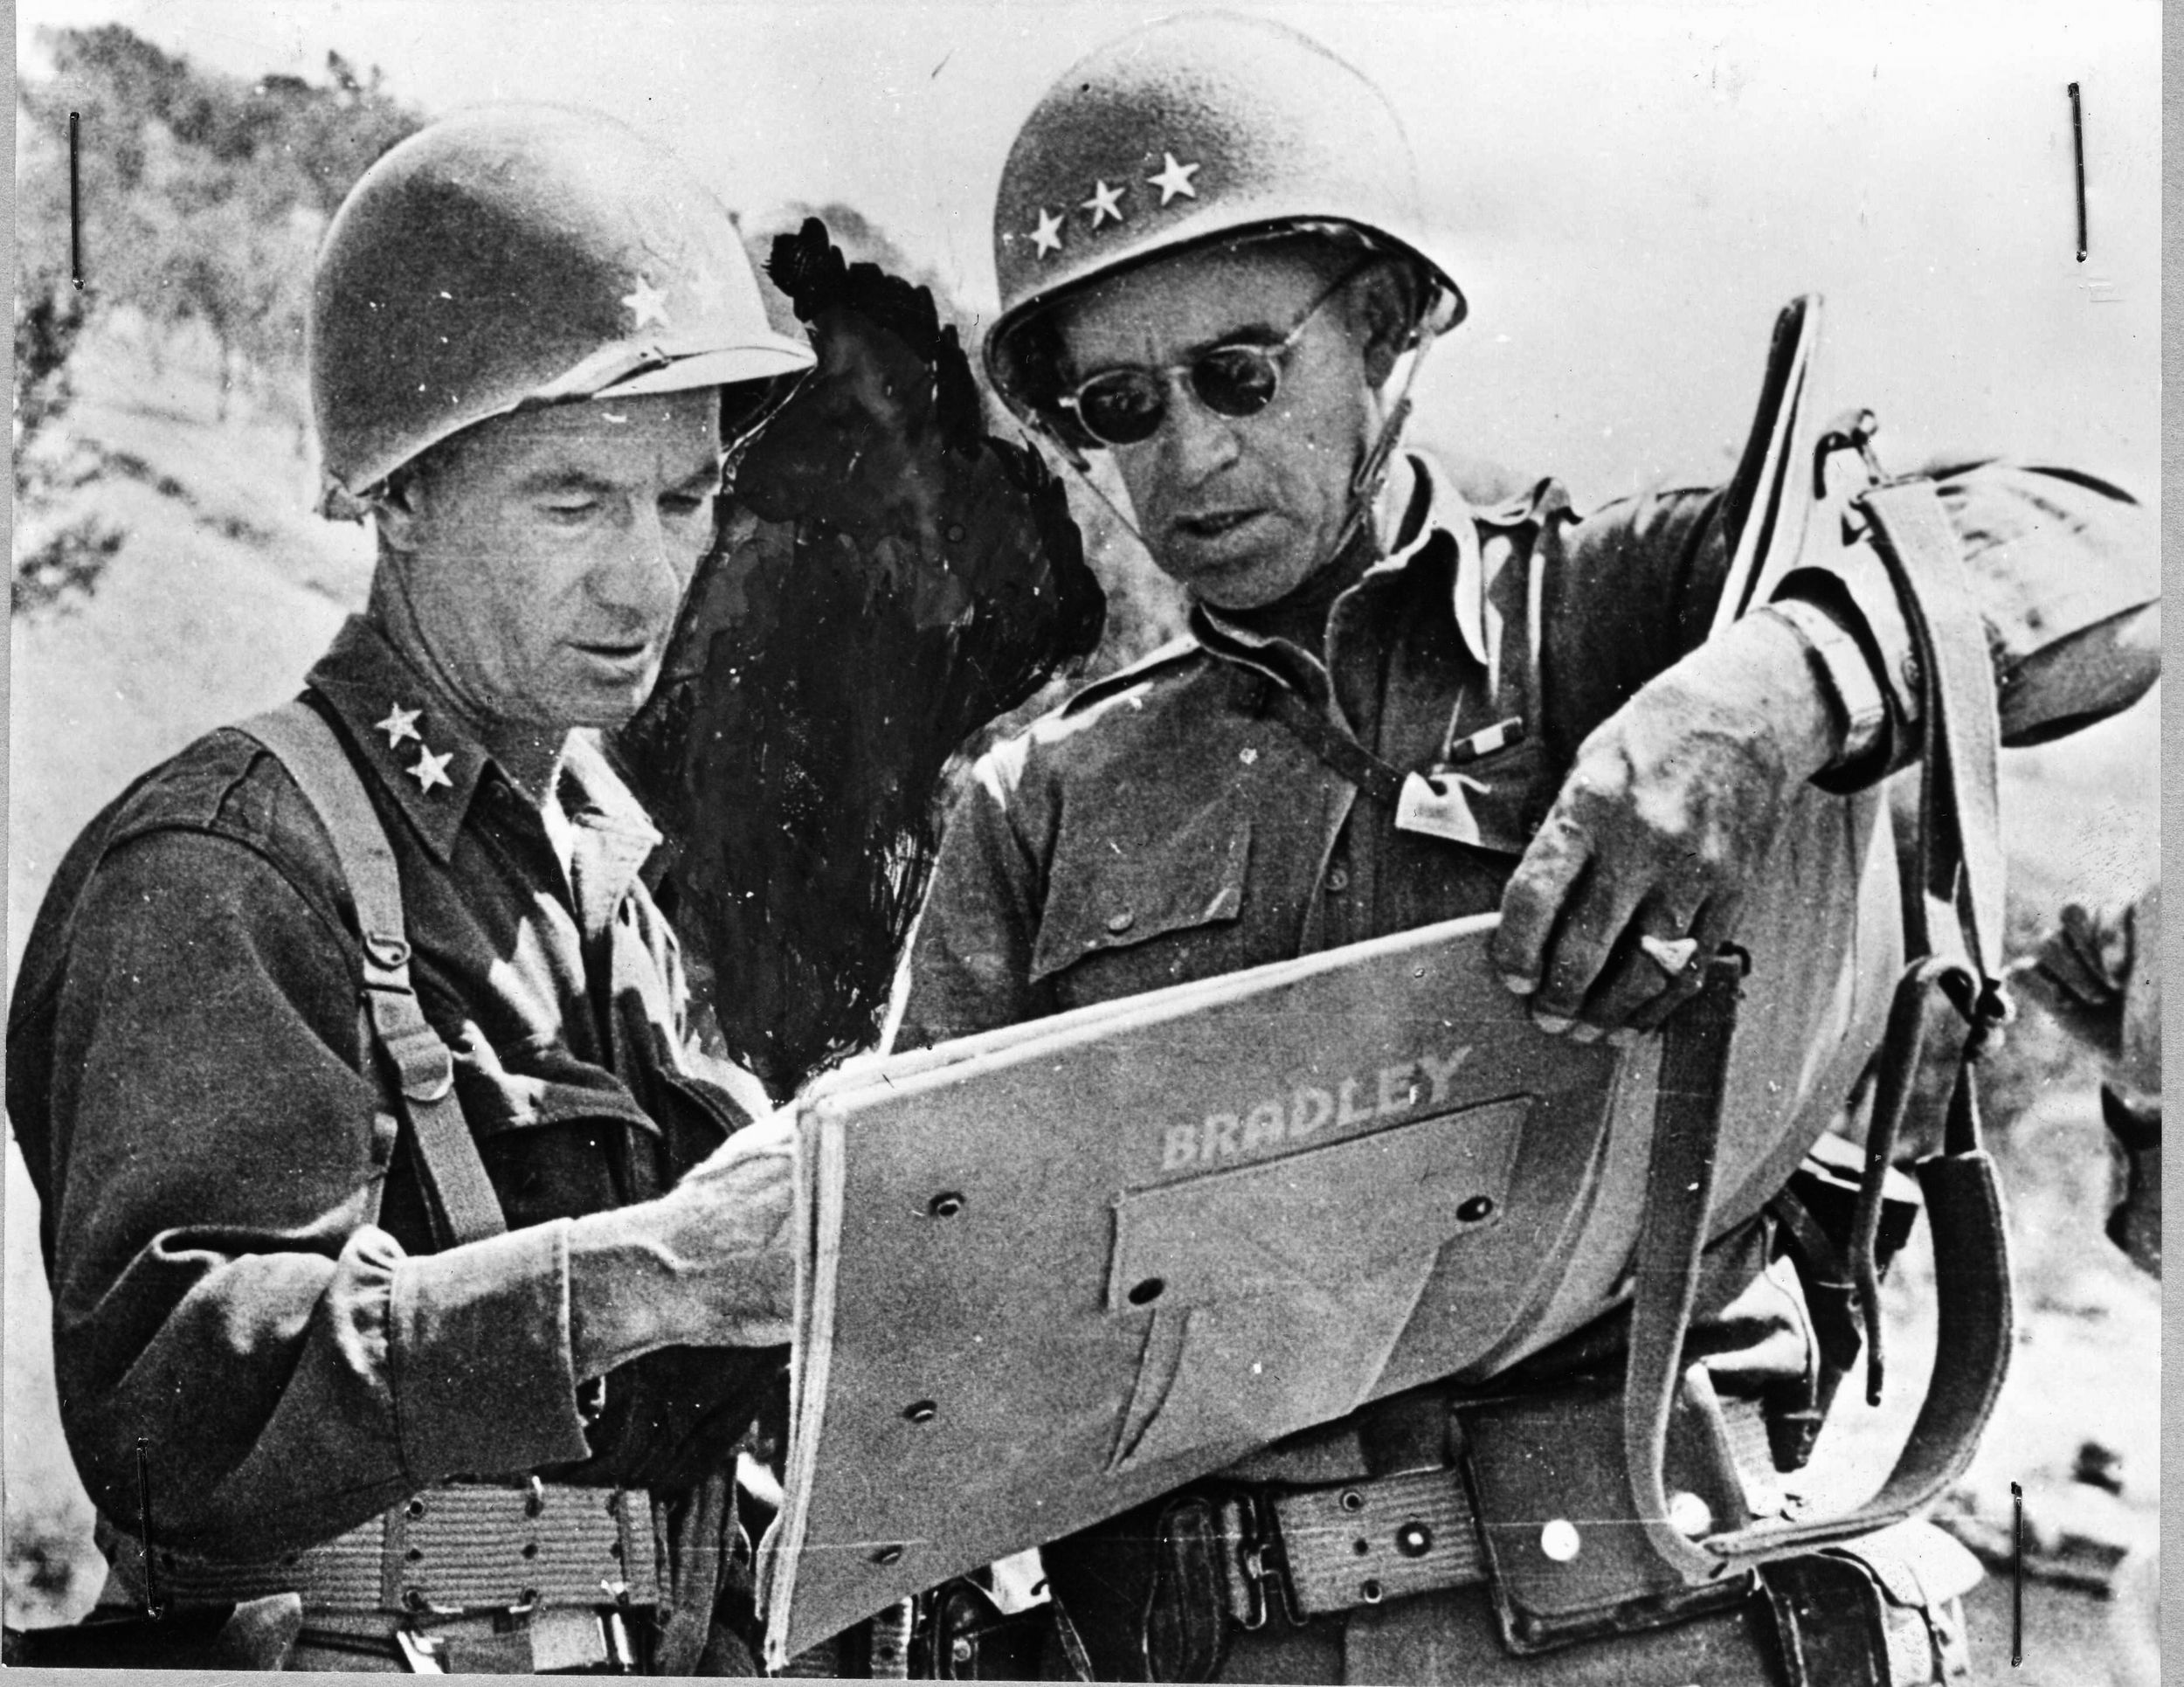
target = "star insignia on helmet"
x: 1047, y: 236
x: 1105, y: 201
x: 1173, y: 178
x: 399, y: 724
x: 647, y: 303
x: 431, y: 770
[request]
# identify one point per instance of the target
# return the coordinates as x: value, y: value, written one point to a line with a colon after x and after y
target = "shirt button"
x: 1121, y: 922
x: 1338, y: 880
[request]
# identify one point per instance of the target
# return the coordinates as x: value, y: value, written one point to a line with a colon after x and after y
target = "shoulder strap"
x: 414, y: 1070
x: 1959, y: 832
x: 1335, y: 748
x: 1959, y: 866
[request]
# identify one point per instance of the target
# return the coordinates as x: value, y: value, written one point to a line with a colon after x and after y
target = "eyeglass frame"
x: 1276, y: 354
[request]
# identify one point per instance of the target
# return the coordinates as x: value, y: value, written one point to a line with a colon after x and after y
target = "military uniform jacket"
x: 241, y: 1265
x: 1163, y: 826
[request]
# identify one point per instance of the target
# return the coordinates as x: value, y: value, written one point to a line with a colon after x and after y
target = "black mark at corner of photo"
x: 75, y: 205
x: 2078, y: 154
x: 2100, y: 290
x: 2017, y: 1552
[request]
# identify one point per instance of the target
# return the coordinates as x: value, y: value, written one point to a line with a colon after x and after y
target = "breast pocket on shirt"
x: 1126, y: 914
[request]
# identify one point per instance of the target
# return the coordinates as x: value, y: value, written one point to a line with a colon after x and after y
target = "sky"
x: 1627, y: 193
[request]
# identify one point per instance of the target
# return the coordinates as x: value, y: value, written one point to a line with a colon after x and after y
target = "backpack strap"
x: 1961, y: 864
x: 416, y: 1072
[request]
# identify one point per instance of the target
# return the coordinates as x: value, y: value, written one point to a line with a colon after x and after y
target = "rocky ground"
x: 226, y: 587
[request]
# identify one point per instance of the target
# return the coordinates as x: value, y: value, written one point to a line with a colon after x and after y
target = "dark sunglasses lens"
x: 1235, y: 380
x: 1121, y: 408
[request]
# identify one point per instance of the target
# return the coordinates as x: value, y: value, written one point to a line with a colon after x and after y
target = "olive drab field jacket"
x: 1164, y: 826
x: 241, y: 1263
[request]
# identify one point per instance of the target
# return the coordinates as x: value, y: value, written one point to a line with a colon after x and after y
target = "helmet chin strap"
x: 1366, y: 481
x: 1370, y: 476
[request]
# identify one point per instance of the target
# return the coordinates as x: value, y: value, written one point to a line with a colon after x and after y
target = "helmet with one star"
x: 518, y: 255
x: 1204, y: 127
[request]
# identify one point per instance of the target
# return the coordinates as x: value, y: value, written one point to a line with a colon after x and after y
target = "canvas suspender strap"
x: 415, y: 1069
x: 1960, y: 866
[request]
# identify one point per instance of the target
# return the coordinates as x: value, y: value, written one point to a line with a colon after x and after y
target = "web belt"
x: 1324, y: 1550
x: 459, y: 1548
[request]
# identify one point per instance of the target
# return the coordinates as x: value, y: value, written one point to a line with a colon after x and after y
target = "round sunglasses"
x: 1126, y: 405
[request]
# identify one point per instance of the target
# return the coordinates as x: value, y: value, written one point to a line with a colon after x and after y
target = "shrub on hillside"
x: 54, y: 557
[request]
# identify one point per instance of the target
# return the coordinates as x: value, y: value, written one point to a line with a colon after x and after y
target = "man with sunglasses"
x: 1214, y: 272
x: 444, y: 1319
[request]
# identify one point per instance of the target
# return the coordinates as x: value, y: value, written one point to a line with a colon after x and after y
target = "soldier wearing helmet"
x: 1214, y: 271
x: 470, y: 1401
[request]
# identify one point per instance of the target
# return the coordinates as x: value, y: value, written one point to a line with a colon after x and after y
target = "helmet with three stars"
x: 1204, y: 127
x: 517, y: 255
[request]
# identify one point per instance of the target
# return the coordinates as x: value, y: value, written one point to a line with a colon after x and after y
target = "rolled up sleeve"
x: 486, y: 1322
x: 2065, y: 571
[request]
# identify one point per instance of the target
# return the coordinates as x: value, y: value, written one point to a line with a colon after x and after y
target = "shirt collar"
x: 1447, y: 510
x: 595, y: 796
x: 390, y: 712
x: 411, y: 743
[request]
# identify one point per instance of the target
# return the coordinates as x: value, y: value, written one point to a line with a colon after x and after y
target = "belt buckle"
x: 1247, y: 1524
x: 505, y: 1616
x: 426, y: 1652
x: 621, y: 1650
x: 426, y: 1655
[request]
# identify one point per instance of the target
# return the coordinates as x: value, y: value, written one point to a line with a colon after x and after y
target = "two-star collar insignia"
x: 431, y: 770
x: 1173, y: 179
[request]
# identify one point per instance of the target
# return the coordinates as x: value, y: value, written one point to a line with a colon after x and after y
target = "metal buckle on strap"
x: 426, y: 1655
x: 1853, y: 430
x: 526, y: 1634
x: 429, y: 1654
x: 426, y: 1070
x: 621, y: 1649
x: 1254, y: 1558
x: 504, y: 1616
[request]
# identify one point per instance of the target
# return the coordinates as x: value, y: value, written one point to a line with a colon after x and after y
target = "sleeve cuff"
x: 1863, y: 611
x: 1844, y: 675
x: 479, y: 1348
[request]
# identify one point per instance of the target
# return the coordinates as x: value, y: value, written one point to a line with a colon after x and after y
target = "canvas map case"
x: 1053, y: 1271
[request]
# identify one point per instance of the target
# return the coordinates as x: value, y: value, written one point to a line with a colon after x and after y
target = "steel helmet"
x: 1200, y: 126
x: 513, y: 255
